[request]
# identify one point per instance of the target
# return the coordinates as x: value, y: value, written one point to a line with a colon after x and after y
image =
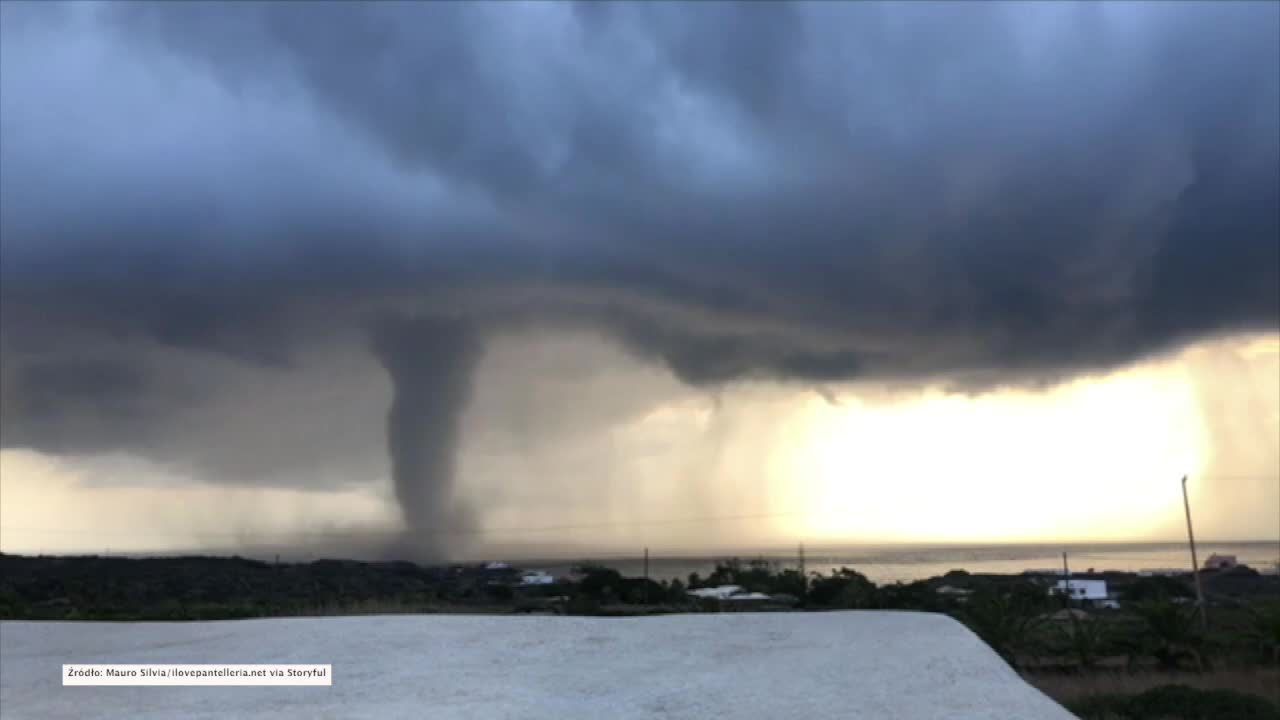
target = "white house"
x: 729, y: 593
x: 722, y: 592
x: 1093, y: 591
x: 536, y: 577
x: 747, y: 596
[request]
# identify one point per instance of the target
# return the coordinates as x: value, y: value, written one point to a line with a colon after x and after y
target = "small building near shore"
x: 723, y: 592
x: 1162, y: 572
x: 729, y: 597
x: 960, y: 594
x: 1092, y: 592
x: 1220, y: 562
x: 536, y: 577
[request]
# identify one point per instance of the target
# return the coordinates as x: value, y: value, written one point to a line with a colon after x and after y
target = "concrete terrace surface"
x: 856, y: 664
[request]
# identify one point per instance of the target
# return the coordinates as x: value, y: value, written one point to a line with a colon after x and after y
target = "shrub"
x: 1265, y: 630
x: 845, y: 589
x: 676, y: 593
x: 1172, y: 634
x: 640, y: 590
x: 1084, y: 639
x: 1007, y: 621
x: 1149, y: 589
x: 499, y: 593
x: 1176, y: 702
x: 582, y: 605
x: 12, y: 606
x: 918, y: 595
x: 600, y: 583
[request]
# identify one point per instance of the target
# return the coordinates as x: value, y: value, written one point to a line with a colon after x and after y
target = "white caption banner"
x: 77, y: 674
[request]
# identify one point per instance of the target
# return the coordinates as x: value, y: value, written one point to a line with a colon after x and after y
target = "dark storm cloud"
x: 978, y: 193
x: 102, y: 386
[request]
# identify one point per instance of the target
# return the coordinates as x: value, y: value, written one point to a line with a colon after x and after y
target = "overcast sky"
x: 256, y: 245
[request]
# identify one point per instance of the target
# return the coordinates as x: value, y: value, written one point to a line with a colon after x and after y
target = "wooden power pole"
x: 804, y: 579
x: 1195, y: 563
x: 646, y: 576
x: 1066, y: 582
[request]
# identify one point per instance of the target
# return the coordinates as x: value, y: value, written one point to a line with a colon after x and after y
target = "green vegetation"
x: 204, y: 588
x: 753, y: 576
x: 605, y: 586
x: 1084, y: 639
x: 1172, y: 634
x: 1151, y: 589
x: 1265, y: 630
x: 844, y: 589
x: 1007, y: 618
x: 1176, y: 702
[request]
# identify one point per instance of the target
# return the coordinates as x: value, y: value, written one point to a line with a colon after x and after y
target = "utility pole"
x: 1195, y: 563
x: 804, y: 579
x: 646, y: 576
x: 1066, y: 582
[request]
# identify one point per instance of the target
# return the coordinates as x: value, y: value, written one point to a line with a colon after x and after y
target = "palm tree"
x: 1172, y: 633
x: 1266, y: 630
x: 1085, y: 639
x: 1003, y: 621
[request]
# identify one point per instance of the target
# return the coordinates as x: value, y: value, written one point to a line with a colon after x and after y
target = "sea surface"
x: 888, y: 564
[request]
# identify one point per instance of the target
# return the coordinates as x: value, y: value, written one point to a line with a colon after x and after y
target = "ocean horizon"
x: 905, y: 563
x: 880, y: 562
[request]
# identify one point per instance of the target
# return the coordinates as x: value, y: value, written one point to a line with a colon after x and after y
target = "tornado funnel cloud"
x: 430, y: 361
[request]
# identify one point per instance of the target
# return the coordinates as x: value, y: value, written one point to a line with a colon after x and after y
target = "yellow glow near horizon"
x: 1094, y: 459
x: 51, y: 506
